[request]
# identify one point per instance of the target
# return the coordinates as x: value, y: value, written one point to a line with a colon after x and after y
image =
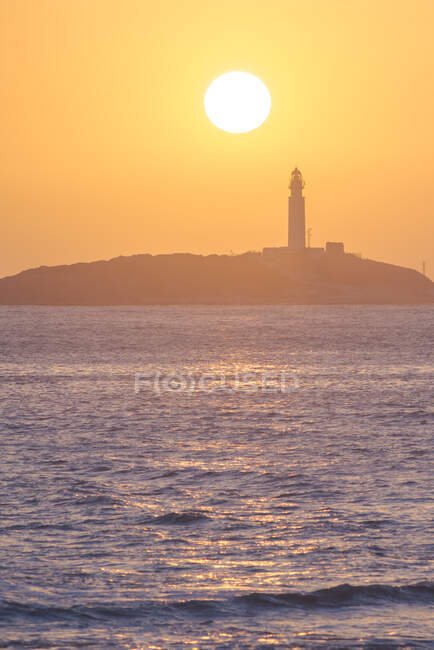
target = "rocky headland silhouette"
x: 247, y: 279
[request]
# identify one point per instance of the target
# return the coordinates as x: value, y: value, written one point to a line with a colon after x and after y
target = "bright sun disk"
x: 237, y: 102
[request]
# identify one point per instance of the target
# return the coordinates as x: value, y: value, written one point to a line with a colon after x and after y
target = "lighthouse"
x: 296, y: 249
x: 296, y: 212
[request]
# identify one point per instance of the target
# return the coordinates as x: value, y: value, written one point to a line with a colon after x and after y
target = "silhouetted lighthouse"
x: 296, y: 214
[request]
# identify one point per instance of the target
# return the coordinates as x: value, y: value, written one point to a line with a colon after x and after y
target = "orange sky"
x: 106, y: 149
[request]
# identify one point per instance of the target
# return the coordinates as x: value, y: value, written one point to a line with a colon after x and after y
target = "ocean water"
x: 216, y: 477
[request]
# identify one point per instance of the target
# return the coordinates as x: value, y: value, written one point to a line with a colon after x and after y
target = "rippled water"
x: 222, y: 516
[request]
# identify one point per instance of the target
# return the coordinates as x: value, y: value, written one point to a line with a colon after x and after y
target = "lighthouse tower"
x: 296, y: 213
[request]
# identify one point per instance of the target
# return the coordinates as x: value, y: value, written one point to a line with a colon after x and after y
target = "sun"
x: 237, y: 102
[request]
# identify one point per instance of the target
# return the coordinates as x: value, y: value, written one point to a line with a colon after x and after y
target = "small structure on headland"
x: 297, y: 227
x: 335, y: 248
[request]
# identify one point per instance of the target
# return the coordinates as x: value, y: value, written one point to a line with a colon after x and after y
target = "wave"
x: 179, y: 518
x: 344, y: 595
x: 348, y: 595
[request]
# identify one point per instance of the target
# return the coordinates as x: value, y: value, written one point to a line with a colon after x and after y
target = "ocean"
x: 216, y: 477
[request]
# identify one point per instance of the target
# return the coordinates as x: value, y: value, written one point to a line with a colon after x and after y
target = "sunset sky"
x: 106, y: 149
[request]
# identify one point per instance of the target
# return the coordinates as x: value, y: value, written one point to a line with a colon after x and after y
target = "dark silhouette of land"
x: 220, y: 280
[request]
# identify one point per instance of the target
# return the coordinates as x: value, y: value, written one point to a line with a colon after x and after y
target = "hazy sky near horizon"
x: 107, y: 150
